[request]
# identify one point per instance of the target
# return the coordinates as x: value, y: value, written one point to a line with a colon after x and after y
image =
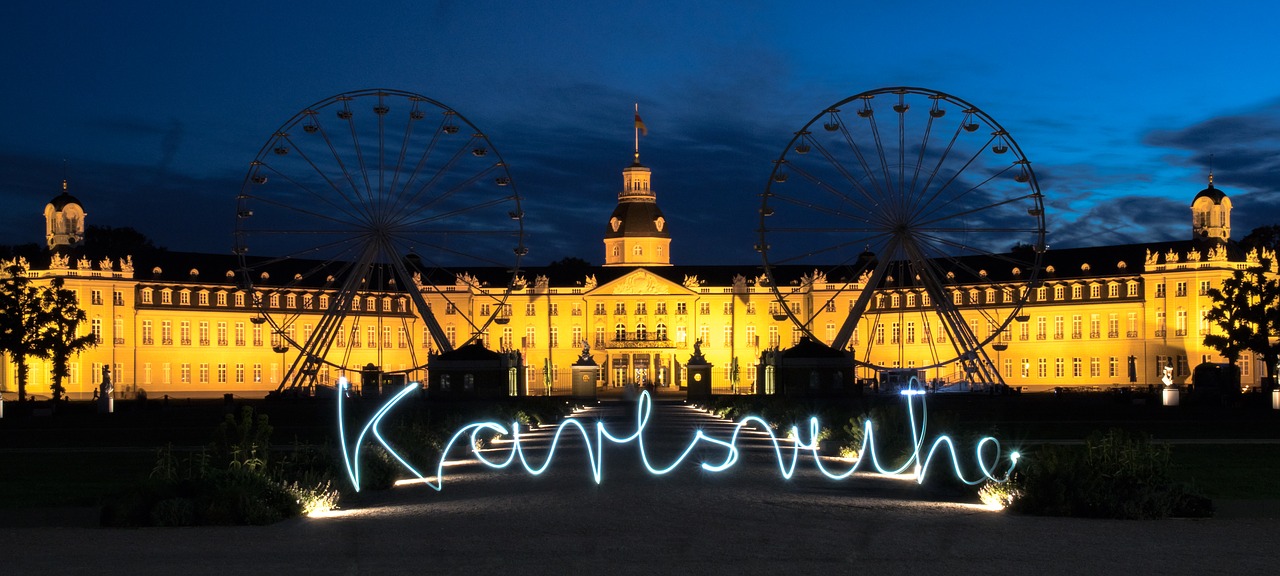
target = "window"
x: 96, y: 328
x: 1204, y: 287
x: 1113, y: 367
x: 660, y: 308
x: 1077, y: 292
x: 773, y: 337
x: 166, y: 332
x: 637, y: 250
x: 530, y: 309
x: 166, y: 297
x: 879, y: 334
x: 239, y: 373
x: 239, y: 333
x: 577, y: 336
x: 600, y: 336
x: 146, y: 296
x: 146, y: 332
x: 911, y: 332
x: 222, y: 333
x: 895, y: 301
x: 553, y: 309
x: 202, y: 298
x: 1181, y: 325
x: 204, y: 333
x: 1059, y: 292
x: 184, y: 373
x: 1133, y: 289
x: 704, y: 308
x: 1160, y: 290
x: 257, y: 335
x: 222, y: 373
x: 1059, y: 368
x: 239, y: 299
x: 1181, y: 288
x: 728, y: 308
x: 619, y: 331
x: 1075, y: 326
x: 619, y: 308
x: 1095, y: 291
x: 681, y: 308
x: 1113, y: 291
x: 530, y: 337
x: 751, y: 307
x: 95, y: 297
x: 1075, y: 367
x: 728, y: 336
x: 117, y: 298
x: 1095, y: 366
x: 599, y: 311
x: 895, y: 333
x: 1042, y: 368
x: 1057, y: 328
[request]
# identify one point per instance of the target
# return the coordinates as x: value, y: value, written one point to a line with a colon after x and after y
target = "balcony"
x: 1180, y: 332
x: 240, y: 342
x: 1041, y: 336
x: 204, y: 341
x: 1075, y: 334
x: 1024, y: 337
x: 146, y: 342
x: 222, y: 341
x: 1095, y: 334
x: 119, y: 341
x: 186, y: 341
x: 1131, y: 334
x: 1113, y: 334
x: 1057, y: 335
x: 1160, y: 333
x: 632, y: 341
x: 167, y: 341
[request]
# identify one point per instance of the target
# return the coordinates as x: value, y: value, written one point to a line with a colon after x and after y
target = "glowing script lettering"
x: 987, y: 451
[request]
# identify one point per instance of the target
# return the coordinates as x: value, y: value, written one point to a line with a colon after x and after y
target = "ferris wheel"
x: 362, y: 220
x: 919, y: 227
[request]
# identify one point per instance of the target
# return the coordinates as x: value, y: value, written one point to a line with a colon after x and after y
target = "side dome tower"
x: 1211, y: 214
x: 63, y: 221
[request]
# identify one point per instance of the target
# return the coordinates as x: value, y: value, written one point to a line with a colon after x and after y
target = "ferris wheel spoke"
x: 840, y: 196
x: 844, y: 172
x: 914, y: 205
x: 349, y: 207
x: 858, y: 217
x: 403, y: 190
x: 407, y: 222
x: 429, y: 186
x: 356, y: 199
x: 308, y: 191
x: 921, y: 207
x: 965, y: 193
x: 970, y: 211
x: 825, y: 250
x: 881, y: 187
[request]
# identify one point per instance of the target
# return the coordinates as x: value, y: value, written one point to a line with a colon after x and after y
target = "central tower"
x: 637, y: 232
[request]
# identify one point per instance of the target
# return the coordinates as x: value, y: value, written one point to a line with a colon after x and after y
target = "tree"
x: 1245, y: 311
x: 58, y: 337
x: 21, y: 319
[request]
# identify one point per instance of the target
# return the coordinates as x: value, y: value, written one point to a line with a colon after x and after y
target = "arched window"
x: 660, y: 332
x: 620, y: 331
x: 617, y: 250
x: 637, y: 250
x: 642, y: 332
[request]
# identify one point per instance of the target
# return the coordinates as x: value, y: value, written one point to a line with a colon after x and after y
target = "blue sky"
x: 158, y: 107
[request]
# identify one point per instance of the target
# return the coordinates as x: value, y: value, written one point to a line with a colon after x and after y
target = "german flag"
x: 640, y: 123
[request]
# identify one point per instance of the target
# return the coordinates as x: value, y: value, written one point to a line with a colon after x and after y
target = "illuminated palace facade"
x: 177, y: 323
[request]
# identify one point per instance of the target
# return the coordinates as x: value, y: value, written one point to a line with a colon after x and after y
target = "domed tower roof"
x: 64, y: 221
x: 637, y: 233
x: 1211, y: 214
x: 62, y: 200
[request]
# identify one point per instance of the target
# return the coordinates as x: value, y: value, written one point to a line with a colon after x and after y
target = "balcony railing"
x: 1113, y: 334
x: 146, y: 342
x: 1160, y: 333
x: 1095, y: 334
x: 1131, y: 334
x: 1181, y: 332
x: 648, y: 341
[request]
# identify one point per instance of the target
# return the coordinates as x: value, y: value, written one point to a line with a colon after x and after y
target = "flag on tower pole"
x: 640, y: 123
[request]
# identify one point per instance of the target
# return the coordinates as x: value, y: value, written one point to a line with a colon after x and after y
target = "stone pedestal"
x: 698, y: 380
x: 1275, y: 399
x: 106, y: 404
x: 1170, y: 395
x: 584, y: 381
x: 585, y: 374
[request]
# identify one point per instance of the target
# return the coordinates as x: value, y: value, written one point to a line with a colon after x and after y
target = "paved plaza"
x: 745, y: 520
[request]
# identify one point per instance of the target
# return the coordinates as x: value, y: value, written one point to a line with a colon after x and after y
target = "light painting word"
x: 987, y: 450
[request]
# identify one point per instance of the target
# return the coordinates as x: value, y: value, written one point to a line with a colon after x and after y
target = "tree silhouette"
x: 1245, y: 311
x: 58, y: 337
x: 21, y: 319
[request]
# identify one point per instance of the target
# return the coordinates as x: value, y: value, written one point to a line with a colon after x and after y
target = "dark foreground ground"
x: 747, y: 520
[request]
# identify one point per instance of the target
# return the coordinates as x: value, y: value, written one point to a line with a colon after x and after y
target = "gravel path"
x: 747, y: 520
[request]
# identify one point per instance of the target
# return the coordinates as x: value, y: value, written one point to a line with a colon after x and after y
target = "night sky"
x: 153, y: 110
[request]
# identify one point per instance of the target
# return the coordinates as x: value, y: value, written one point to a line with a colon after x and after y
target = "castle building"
x: 180, y: 324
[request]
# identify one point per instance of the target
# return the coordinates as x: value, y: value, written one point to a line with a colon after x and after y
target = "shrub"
x: 1117, y: 474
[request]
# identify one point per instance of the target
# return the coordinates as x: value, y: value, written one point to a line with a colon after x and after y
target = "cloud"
x: 1242, y: 148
